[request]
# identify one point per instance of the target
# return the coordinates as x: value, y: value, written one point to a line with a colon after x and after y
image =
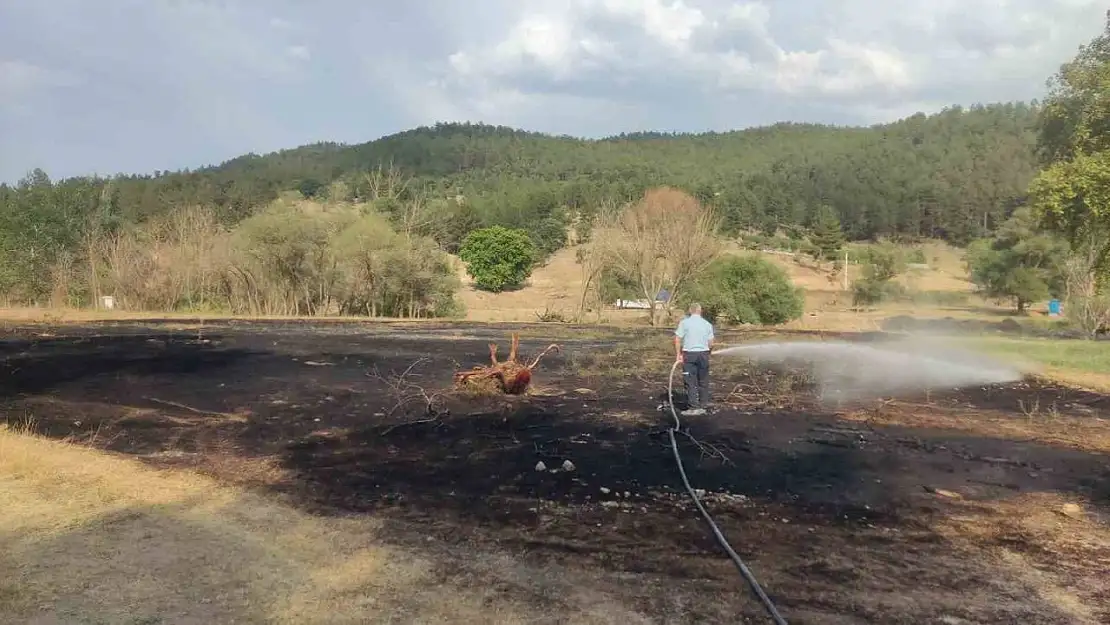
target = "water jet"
x: 845, y: 370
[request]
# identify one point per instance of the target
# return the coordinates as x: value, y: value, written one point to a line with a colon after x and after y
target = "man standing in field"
x: 693, y: 340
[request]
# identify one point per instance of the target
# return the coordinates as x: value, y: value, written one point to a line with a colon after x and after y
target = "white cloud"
x: 21, y: 81
x: 870, y: 55
x: 301, y: 53
x: 152, y: 84
x: 672, y: 24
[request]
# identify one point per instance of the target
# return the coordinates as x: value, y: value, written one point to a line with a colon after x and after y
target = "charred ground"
x: 872, y: 513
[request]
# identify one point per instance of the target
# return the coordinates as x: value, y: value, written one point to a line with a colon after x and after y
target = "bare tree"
x: 589, y: 258
x: 660, y: 242
x: 386, y: 183
x: 593, y: 256
x: 413, y: 211
x: 176, y: 260
x: 422, y: 216
x: 1086, y: 300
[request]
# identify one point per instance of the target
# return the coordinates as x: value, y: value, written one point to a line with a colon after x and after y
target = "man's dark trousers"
x: 695, y: 371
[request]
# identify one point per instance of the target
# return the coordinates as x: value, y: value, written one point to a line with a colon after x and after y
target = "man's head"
x: 694, y: 309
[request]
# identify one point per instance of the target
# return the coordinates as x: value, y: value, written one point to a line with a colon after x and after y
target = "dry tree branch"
x: 404, y: 391
x: 536, y: 360
x: 406, y: 424
x: 164, y: 402
x: 708, y: 450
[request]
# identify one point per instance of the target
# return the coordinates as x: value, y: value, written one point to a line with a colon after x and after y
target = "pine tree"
x: 826, y: 235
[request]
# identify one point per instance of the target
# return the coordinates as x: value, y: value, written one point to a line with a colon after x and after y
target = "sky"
x: 108, y: 86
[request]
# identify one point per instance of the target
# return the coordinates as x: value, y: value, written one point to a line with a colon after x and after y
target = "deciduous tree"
x: 660, y: 242
x: 1071, y: 194
x: 747, y: 289
x: 498, y: 258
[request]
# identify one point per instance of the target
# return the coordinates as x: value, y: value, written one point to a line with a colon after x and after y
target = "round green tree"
x: 747, y: 289
x: 498, y: 258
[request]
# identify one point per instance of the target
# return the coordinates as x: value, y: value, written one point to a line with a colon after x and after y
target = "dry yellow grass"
x: 1082, y: 380
x: 557, y: 287
x: 1069, y: 425
x: 87, y: 537
x: 50, y: 316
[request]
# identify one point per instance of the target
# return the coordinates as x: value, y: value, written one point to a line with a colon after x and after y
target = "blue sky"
x: 104, y: 86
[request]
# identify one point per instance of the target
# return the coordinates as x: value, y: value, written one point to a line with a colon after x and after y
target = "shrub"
x: 284, y: 258
x: 290, y: 258
x: 176, y: 261
x: 876, y: 285
x: 871, y: 291
x: 383, y: 273
x: 747, y: 289
x: 808, y: 249
x: 548, y: 235
x: 498, y: 258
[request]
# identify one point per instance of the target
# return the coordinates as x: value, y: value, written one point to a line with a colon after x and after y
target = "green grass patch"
x: 937, y: 298
x: 1059, y: 354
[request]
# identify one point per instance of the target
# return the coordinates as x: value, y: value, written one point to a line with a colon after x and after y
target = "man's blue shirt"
x: 695, y: 333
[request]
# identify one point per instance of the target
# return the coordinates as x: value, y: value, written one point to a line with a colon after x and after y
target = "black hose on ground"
x: 743, y: 568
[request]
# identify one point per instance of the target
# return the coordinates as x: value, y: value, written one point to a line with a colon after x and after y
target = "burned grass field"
x: 987, y: 504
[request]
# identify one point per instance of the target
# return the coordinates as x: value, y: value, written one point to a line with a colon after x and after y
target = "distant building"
x: 662, y: 297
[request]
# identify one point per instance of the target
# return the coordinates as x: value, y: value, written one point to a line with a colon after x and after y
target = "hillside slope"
x: 944, y: 175
x: 557, y: 285
x: 954, y: 176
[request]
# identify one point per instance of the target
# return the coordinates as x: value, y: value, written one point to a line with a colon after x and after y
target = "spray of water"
x: 852, y: 371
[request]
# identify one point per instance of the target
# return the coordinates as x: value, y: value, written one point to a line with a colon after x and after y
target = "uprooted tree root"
x: 510, y: 377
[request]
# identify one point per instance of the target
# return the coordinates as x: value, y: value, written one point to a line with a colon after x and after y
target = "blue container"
x: 1054, y: 308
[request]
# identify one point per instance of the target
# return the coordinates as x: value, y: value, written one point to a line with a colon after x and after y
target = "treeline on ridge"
x: 954, y: 175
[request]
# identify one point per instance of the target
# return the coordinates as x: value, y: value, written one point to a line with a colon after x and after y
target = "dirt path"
x: 918, y: 511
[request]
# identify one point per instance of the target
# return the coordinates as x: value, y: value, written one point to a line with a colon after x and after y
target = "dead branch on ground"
x: 708, y: 450
x: 404, y: 391
x: 207, y: 413
x: 406, y: 424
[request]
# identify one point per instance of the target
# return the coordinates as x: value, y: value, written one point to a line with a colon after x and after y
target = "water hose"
x: 743, y: 568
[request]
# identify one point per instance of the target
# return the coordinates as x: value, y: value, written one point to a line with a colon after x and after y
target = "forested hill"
x: 947, y: 175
